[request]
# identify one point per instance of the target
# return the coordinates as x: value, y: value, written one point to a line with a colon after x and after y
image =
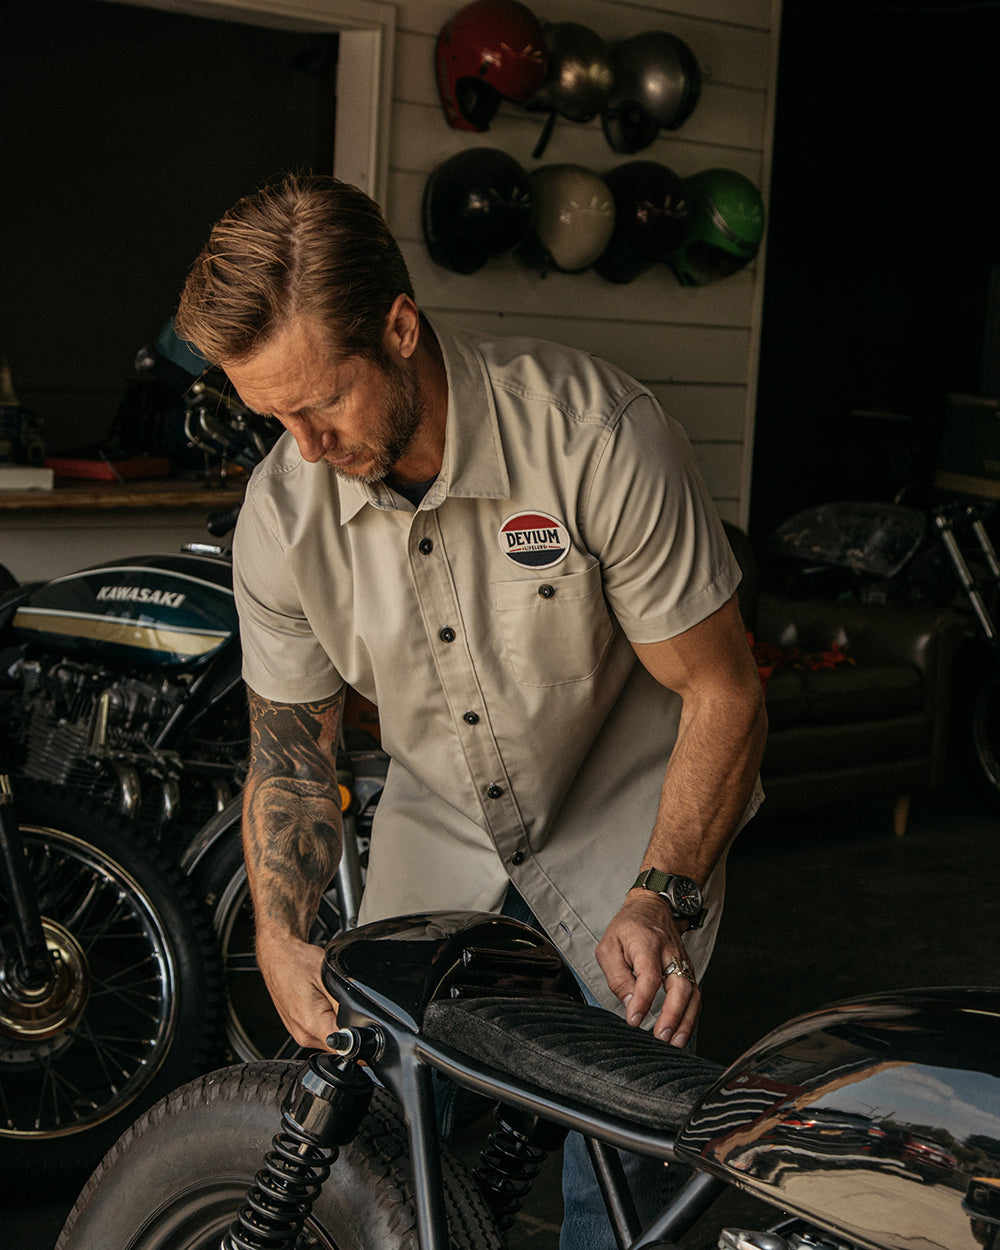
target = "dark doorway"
x: 126, y: 132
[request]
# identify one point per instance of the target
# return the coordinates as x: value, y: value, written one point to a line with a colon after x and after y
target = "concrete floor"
x: 820, y: 906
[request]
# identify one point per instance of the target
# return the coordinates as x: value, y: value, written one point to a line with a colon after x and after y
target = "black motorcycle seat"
x: 577, y: 1052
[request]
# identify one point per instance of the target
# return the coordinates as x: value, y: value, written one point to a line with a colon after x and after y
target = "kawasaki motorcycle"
x: 120, y: 684
x: 123, y: 730
x: 870, y: 1124
x: 119, y: 695
x: 123, y: 727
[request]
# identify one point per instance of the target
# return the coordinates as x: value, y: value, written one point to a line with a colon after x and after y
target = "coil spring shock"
x: 512, y: 1159
x: 322, y: 1112
x: 281, y: 1198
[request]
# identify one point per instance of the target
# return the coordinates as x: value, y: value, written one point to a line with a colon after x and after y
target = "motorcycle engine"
x: 81, y: 726
x: 790, y: 1236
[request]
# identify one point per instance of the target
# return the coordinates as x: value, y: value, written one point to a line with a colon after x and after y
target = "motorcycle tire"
x: 134, y: 1009
x: 253, y: 1029
x: 177, y: 1178
x: 981, y: 721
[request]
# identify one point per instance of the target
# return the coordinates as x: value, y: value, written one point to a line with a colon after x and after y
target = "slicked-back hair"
x: 305, y: 245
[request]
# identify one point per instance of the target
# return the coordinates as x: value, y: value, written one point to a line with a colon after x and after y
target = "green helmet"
x: 725, y: 227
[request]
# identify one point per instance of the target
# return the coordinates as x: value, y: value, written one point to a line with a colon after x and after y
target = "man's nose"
x: 310, y: 441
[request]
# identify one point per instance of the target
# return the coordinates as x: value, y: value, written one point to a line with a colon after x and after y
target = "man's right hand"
x: 292, y: 971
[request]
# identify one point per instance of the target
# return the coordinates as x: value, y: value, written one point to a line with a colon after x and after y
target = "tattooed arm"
x: 292, y: 839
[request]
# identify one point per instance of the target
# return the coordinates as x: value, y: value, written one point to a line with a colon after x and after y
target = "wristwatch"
x: 681, y: 894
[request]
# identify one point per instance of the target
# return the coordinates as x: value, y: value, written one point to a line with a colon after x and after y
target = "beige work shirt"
x: 492, y: 626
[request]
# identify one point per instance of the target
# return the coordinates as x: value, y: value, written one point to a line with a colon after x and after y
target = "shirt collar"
x: 473, y: 466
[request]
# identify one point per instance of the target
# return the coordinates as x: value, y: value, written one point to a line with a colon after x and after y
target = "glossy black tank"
x: 878, y: 1117
x: 173, y: 611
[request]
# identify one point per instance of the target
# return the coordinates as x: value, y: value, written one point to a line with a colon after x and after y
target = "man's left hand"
x: 640, y: 944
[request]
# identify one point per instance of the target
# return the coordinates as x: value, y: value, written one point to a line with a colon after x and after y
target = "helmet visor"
x: 704, y: 263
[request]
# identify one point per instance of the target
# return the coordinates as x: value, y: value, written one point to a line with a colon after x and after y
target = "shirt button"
x: 517, y: 858
x: 546, y: 591
x: 447, y: 634
x: 471, y: 718
x: 425, y: 546
x: 494, y: 791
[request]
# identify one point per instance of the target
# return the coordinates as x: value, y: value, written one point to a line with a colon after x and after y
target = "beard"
x: 402, y: 411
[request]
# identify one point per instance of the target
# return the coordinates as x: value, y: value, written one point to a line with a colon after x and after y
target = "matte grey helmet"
x: 657, y: 86
x: 578, y: 79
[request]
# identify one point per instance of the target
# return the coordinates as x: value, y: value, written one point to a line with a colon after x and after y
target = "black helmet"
x: 657, y: 85
x: 572, y: 216
x: 489, y: 51
x: 651, y: 215
x: 578, y: 80
x: 477, y: 204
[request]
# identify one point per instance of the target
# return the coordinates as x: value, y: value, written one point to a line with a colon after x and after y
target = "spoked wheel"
x: 253, y: 1028
x: 176, y: 1180
x: 131, y: 1008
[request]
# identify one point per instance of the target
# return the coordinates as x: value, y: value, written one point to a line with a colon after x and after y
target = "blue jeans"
x: 585, y: 1223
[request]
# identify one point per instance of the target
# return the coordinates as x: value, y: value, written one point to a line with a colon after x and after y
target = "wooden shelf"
x: 155, y: 493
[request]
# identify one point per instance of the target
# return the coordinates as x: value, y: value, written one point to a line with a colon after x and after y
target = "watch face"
x: 685, y: 897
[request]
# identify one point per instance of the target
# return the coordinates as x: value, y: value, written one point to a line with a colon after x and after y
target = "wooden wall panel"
x: 697, y: 349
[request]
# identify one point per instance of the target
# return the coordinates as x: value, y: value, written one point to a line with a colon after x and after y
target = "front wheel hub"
x: 34, y: 1014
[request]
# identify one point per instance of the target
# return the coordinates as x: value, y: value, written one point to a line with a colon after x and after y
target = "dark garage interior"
x: 881, y: 301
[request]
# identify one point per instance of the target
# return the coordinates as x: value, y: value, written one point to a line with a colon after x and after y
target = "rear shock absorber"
x: 322, y: 1113
x: 512, y: 1158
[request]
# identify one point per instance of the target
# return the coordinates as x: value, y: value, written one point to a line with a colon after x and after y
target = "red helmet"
x: 490, y: 50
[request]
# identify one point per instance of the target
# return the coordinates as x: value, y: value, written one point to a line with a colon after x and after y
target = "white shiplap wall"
x: 696, y: 348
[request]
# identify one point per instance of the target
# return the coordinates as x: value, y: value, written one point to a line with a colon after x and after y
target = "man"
x: 505, y: 546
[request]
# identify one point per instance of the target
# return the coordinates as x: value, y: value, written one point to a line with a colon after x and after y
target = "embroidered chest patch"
x: 534, y: 540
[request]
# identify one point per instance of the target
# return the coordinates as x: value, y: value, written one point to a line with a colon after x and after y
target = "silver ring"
x: 681, y: 969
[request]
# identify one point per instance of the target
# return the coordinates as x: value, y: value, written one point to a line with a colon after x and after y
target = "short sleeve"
x: 665, y: 560
x: 282, y: 659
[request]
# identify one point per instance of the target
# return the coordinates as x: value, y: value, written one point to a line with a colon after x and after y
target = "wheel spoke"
x: 242, y: 961
x: 123, y: 976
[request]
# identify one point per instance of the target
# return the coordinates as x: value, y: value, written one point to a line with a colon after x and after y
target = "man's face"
x: 357, y: 415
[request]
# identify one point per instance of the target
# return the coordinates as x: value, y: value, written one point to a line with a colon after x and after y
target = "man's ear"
x: 402, y: 328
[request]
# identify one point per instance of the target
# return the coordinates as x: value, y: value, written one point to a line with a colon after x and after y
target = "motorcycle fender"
x: 218, y: 828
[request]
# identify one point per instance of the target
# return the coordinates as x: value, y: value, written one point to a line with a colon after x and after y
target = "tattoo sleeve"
x: 292, y: 826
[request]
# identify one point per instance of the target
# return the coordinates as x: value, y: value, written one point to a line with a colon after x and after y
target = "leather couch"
x: 873, y: 725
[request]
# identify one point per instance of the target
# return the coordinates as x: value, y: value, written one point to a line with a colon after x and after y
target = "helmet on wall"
x: 657, y: 85
x: 725, y: 228
x: 651, y: 218
x: 489, y: 51
x: 578, y: 79
x: 572, y: 217
x: 476, y: 205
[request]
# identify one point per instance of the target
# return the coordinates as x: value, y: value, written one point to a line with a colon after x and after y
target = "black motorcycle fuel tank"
x: 173, y: 611
x: 878, y: 1117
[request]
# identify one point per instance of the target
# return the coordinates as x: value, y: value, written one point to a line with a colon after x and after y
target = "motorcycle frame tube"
x: 33, y: 963
x: 405, y: 1068
x: 217, y: 828
x: 226, y: 662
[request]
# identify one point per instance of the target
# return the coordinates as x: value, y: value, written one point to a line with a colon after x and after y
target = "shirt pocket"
x: 557, y: 630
